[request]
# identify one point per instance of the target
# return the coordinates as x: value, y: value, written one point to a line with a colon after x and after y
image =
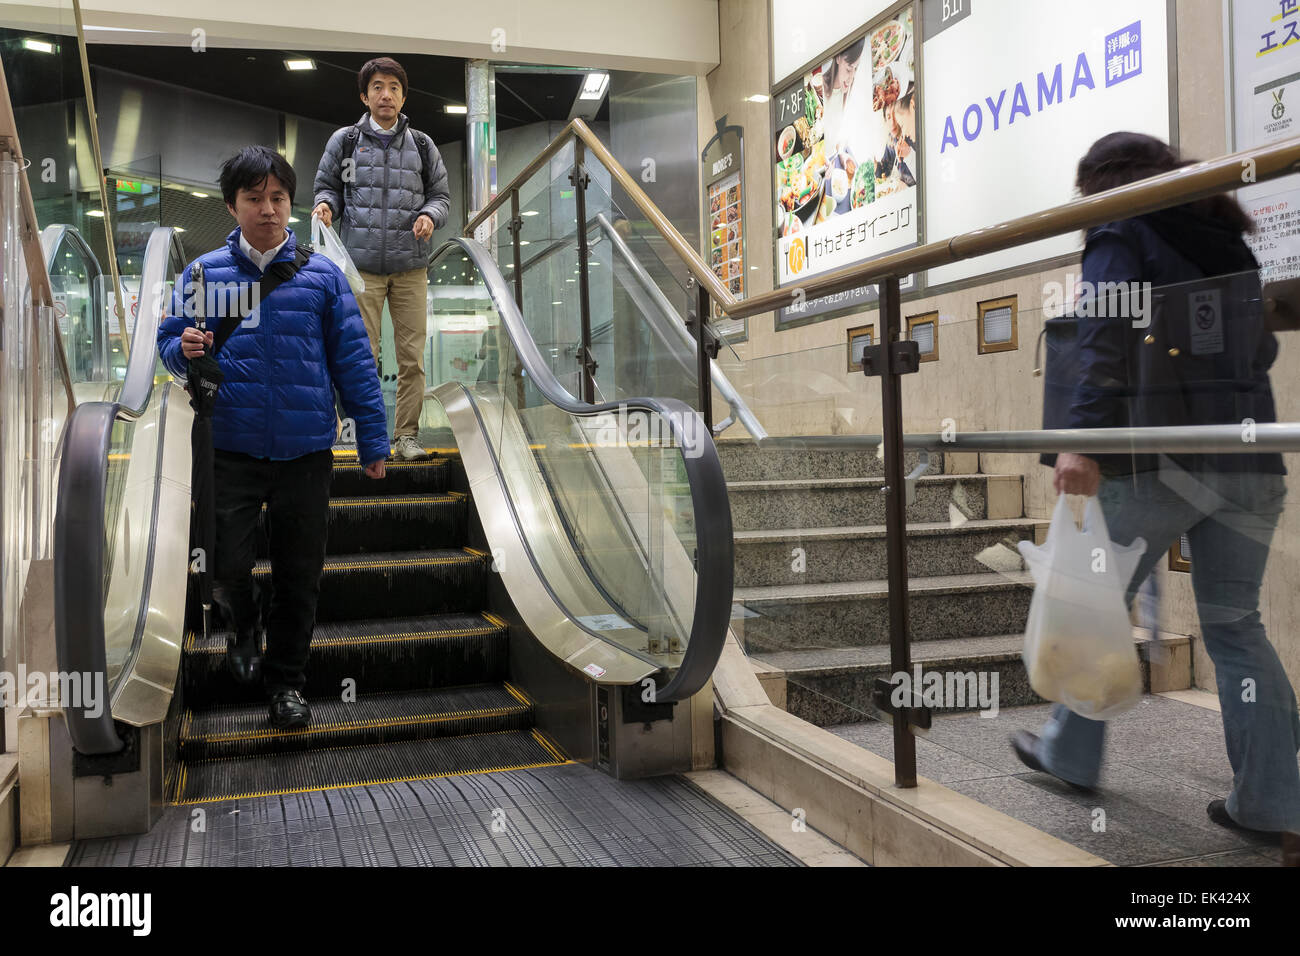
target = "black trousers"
x: 296, y: 494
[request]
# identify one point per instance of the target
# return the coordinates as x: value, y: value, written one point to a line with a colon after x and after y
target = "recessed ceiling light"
x: 299, y: 64
x: 293, y: 218
x: 37, y: 46
x: 557, y: 303
x: 97, y: 213
x: 523, y: 242
x: 758, y: 98
x: 199, y: 195
x: 532, y: 212
x: 455, y: 110
x: 593, y: 87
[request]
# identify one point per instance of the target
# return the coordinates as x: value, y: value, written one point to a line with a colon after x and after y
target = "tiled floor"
x: 1165, y: 760
x: 565, y: 815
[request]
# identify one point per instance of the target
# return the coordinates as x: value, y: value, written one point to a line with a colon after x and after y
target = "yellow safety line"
x: 476, y: 552
x: 403, y: 499
x: 368, y: 783
x: 545, y: 741
x: 354, y: 465
x: 352, y: 453
x: 517, y: 694
x: 371, y: 724
x: 346, y: 565
x: 325, y: 750
x: 494, y: 619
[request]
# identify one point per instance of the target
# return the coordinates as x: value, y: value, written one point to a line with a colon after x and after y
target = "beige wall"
x: 666, y: 36
x: 797, y: 380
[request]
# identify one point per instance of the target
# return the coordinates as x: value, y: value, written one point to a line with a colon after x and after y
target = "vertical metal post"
x: 900, y: 656
x: 479, y: 120
x: 516, y: 225
x: 697, y: 314
x: 585, y: 358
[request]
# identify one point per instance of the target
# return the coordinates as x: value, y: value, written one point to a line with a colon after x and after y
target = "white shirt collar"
x: 379, y: 129
x: 261, y: 259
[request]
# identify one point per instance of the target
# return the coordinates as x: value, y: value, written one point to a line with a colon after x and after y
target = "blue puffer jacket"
x: 376, y: 209
x: 282, y: 364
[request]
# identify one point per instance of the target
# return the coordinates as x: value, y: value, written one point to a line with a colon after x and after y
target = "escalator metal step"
x: 242, y: 777
x: 387, y: 654
x: 390, y: 523
x: 245, y: 730
x: 429, y: 476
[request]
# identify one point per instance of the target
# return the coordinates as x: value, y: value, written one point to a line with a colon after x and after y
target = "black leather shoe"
x: 1218, y: 812
x: 289, y: 709
x: 1025, y: 745
x: 244, y: 657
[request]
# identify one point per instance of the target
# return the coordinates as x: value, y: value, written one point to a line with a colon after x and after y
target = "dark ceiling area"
x: 329, y: 93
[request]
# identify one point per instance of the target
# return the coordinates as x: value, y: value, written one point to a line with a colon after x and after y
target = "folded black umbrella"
x: 203, y: 381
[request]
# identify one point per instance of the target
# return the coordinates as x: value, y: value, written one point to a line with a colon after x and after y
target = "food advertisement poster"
x: 1016, y: 91
x: 724, y: 199
x: 1266, y: 109
x: 846, y: 171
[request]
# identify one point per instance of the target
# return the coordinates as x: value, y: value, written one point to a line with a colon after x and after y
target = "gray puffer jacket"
x: 375, y: 212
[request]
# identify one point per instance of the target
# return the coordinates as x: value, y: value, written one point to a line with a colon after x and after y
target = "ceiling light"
x: 532, y: 212
x: 523, y: 242
x: 293, y: 218
x: 38, y: 46
x: 179, y: 228
x: 757, y: 98
x: 299, y: 64
x: 455, y: 110
x: 593, y: 87
x: 557, y: 303
x: 97, y: 213
x: 199, y: 195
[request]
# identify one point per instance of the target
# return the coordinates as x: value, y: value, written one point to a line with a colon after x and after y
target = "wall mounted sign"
x: 723, y: 161
x: 845, y: 163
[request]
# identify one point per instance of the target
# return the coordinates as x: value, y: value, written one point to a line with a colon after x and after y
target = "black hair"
x: 381, y: 64
x: 906, y: 100
x: 250, y: 166
x: 1118, y: 159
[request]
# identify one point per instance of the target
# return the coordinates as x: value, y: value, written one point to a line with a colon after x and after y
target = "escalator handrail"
x: 667, y: 318
x: 79, y: 550
x: 54, y: 236
x: 137, y: 386
x: 715, y: 567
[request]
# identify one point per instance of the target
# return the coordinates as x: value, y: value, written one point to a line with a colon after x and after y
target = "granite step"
x: 853, y: 502
x: 824, y: 555
x: 788, y: 458
x: 856, y: 613
x: 836, y: 686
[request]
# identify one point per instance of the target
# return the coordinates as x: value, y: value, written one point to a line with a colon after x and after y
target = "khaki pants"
x: 408, y: 307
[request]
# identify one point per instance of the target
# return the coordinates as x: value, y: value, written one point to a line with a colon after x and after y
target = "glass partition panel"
x: 601, y: 499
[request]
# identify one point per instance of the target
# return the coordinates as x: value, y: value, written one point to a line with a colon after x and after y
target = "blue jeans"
x: 1229, y: 519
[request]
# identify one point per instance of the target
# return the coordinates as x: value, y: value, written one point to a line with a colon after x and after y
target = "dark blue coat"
x: 1204, y: 357
x: 282, y: 364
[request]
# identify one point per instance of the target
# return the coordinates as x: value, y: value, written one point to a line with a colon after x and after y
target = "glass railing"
x: 606, y: 497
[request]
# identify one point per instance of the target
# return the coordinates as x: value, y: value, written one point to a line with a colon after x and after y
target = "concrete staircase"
x: 811, y: 593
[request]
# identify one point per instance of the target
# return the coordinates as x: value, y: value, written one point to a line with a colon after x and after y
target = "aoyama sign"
x: 1015, y: 93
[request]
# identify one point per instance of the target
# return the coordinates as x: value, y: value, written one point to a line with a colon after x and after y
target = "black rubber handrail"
x: 79, y: 549
x: 715, y: 557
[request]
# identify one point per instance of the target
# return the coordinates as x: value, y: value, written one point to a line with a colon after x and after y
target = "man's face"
x: 383, y: 97
x: 262, y: 212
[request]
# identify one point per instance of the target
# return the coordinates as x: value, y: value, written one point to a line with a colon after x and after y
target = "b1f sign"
x: 1016, y: 93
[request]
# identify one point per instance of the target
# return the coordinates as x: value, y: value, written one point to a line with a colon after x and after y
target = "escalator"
x: 545, y: 588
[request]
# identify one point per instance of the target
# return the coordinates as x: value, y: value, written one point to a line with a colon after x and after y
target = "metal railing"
x: 894, y: 357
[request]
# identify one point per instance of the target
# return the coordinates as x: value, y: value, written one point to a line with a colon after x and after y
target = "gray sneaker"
x: 408, y: 449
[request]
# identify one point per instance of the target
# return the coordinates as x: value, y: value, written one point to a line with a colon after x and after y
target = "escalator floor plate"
x: 568, y: 815
x: 230, y: 778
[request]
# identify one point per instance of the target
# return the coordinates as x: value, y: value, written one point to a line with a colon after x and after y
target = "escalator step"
x: 298, y: 772
x: 390, y: 523
x: 388, y: 654
x: 245, y: 730
x: 400, y: 477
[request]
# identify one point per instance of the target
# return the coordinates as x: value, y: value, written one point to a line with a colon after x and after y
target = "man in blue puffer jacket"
x: 274, y: 419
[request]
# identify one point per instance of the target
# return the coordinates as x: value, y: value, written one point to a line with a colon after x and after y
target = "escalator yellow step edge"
x: 494, y: 619
x: 326, y: 750
x: 192, y: 637
x: 401, y: 500
x: 353, y: 724
x: 361, y: 783
x: 351, y: 453
x: 345, y: 563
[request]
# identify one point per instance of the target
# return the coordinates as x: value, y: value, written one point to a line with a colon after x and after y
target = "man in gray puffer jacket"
x: 387, y: 185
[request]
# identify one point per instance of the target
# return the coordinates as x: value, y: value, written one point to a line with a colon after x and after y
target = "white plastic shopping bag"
x: 325, y: 241
x: 1079, y: 646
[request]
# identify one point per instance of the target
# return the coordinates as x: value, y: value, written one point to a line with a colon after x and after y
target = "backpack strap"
x: 276, y: 274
